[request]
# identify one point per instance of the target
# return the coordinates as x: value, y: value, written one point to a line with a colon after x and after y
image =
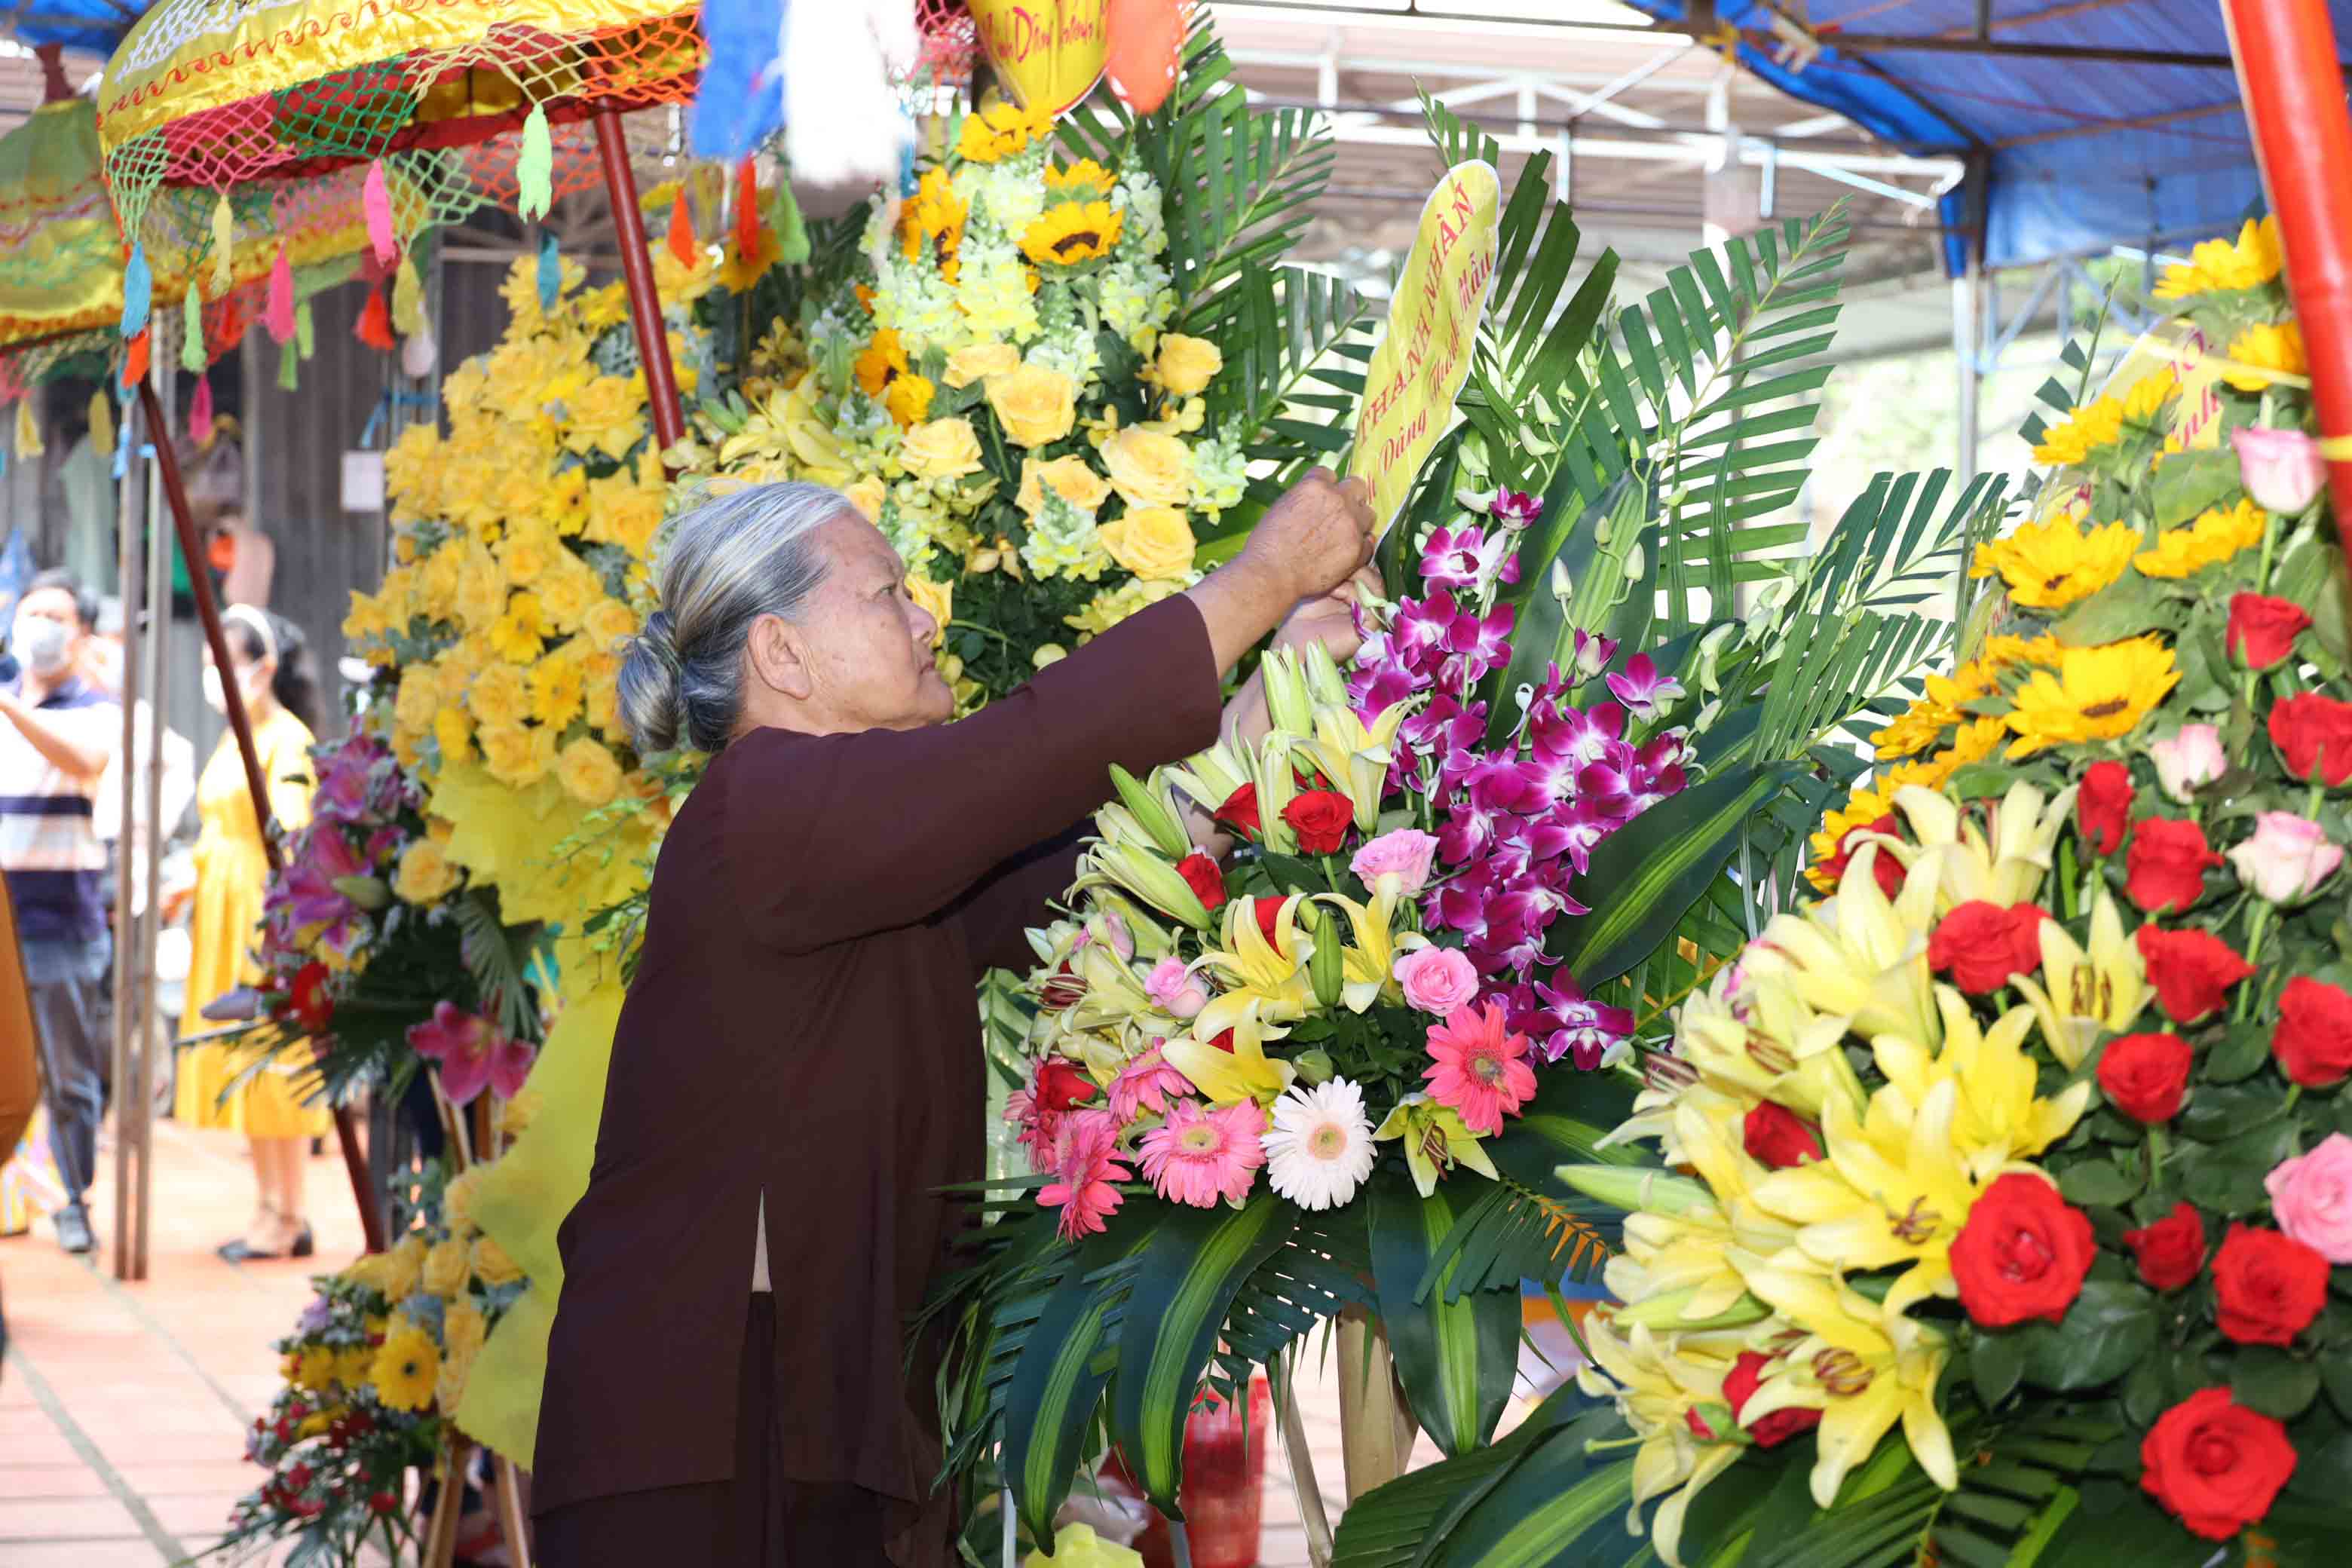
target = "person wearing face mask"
x: 270, y: 666
x: 56, y: 735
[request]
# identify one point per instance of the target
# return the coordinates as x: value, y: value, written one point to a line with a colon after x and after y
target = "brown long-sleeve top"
x: 803, y: 1026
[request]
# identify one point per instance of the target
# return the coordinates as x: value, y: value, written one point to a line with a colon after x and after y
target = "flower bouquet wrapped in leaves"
x: 2004, y: 1219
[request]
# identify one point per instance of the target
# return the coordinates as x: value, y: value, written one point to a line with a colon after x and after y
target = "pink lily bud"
x: 2282, y: 469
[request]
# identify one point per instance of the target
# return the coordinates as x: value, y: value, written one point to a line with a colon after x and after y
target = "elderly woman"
x: 797, y: 1071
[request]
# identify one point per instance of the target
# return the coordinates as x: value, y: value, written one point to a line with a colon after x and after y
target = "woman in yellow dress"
x: 271, y: 667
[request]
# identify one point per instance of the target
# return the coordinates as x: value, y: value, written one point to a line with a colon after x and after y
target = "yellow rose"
x: 453, y: 675
x: 446, y: 1269
x: 424, y: 873
x: 517, y: 757
x: 602, y: 673
x: 491, y: 1264
x: 481, y: 597
x: 566, y: 592
x: 979, y: 362
x: 500, y: 695
x: 454, y: 732
x: 607, y: 413
x: 1147, y: 469
x: 588, y: 772
x: 1034, y: 403
x: 608, y: 622
x: 463, y: 1330
x: 401, y: 1266
x: 909, y: 399
x: 419, y: 699
x: 942, y: 449
x: 938, y: 598
x: 557, y: 689
x: 1187, y: 365
x: 623, y: 513
x: 1072, y: 478
x: 1150, y: 541
x: 457, y: 1204
x: 869, y: 493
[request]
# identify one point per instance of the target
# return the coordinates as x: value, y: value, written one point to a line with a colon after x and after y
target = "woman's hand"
x: 1329, y: 620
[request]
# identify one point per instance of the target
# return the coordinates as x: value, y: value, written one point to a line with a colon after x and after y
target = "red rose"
x: 1240, y: 810
x: 2167, y: 864
x: 1269, y: 910
x: 1983, y: 944
x: 2263, y: 629
x: 1739, y: 1385
x: 1064, y: 1085
x: 1206, y: 881
x: 383, y: 1504
x: 2143, y: 1075
x: 1778, y: 1137
x: 2171, y: 1252
x: 1321, y: 818
x: 2191, y: 969
x: 2313, y: 735
x: 2268, y: 1286
x: 2103, y: 807
x: 2214, y: 1463
x: 2022, y: 1253
x: 2314, y: 1039
x: 1885, y: 868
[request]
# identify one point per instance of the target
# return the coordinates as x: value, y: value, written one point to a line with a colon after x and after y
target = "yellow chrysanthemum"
x: 999, y: 131
x: 2048, y: 565
x: 909, y: 400
x: 2097, y: 423
x: 1972, y: 742
x: 2261, y: 349
x: 520, y: 633
x: 2216, y: 535
x: 2004, y: 650
x: 1084, y: 180
x: 1071, y: 233
x: 2094, y: 694
x: 500, y: 694
x: 2215, y: 264
x: 557, y: 687
x: 588, y: 772
x: 313, y: 1368
x: 406, y: 1368
x: 884, y: 361
x: 2147, y: 397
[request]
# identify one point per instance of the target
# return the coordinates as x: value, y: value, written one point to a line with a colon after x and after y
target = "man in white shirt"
x: 58, y: 732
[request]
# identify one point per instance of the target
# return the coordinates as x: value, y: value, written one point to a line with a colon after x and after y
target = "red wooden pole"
x: 2294, y: 94
x: 167, y: 463
x: 637, y: 274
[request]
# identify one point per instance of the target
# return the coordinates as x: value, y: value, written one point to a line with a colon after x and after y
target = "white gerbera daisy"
x: 1320, y: 1147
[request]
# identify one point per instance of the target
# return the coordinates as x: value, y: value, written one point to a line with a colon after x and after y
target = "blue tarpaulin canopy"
x: 94, y: 26
x: 2090, y: 123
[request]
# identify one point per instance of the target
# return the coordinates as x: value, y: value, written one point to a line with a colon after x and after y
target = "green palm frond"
x: 497, y: 957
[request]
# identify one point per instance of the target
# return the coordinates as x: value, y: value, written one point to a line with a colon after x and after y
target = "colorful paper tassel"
x: 192, y: 329
x: 224, y: 239
x: 305, y: 330
x: 407, y: 298
x: 792, y: 233
x: 102, y: 420
x: 374, y: 327
x: 134, y: 363
x: 200, y: 414
x: 534, y: 167
x: 550, y: 272
x: 28, y: 430
x: 138, y: 292
x: 747, y: 207
x: 277, y: 311
x: 682, y: 243
x: 375, y: 201
x: 290, y: 359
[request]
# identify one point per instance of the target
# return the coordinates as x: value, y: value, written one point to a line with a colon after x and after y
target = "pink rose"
x: 1437, y: 979
x: 2311, y: 1197
x: 1173, y: 988
x: 2282, y: 468
x: 1406, y: 852
x: 2287, y: 858
x: 1110, y: 929
x: 2190, y: 759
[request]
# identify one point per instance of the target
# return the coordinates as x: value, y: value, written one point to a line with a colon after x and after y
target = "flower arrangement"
x: 2029, y: 1137
x: 1385, y: 931
x: 375, y: 1366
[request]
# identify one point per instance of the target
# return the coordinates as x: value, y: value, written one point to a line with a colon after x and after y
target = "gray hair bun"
x: 652, y: 701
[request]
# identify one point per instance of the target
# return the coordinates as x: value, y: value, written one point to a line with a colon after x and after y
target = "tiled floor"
x: 123, y: 1407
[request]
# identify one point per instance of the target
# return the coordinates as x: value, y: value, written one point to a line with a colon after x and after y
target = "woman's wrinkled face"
x: 866, y: 642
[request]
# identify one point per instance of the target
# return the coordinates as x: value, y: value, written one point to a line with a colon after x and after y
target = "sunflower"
x: 1084, y: 180
x: 2004, y: 650
x: 1071, y: 233
x: 883, y: 360
x: 935, y: 213
x: 2048, y: 565
x: 2215, y: 536
x: 999, y: 131
x: 2095, y: 694
x: 2249, y: 263
x: 1915, y: 729
x: 406, y: 1368
x: 2266, y: 353
x: 2097, y: 423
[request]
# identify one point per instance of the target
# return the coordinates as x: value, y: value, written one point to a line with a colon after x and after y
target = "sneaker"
x: 73, y: 1229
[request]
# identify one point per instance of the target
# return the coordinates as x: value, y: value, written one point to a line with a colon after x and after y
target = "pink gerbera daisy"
x: 1480, y: 1071
x: 1081, y: 1186
x: 1198, y: 1156
x: 1039, y: 1130
x: 1147, y: 1083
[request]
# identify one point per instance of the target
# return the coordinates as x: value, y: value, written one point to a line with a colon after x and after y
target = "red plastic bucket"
x: 1224, y: 1481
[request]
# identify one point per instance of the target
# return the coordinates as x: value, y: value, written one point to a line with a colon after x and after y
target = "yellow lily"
x: 1371, y: 959
x: 1287, y: 702
x: 1114, y: 996
x: 2008, y: 869
x: 1751, y: 1035
x: 1355, y: 757
x: 2000, y: 1119
x: 1260, y: 979
x: 1228, y: 1077
x: 1210, y: 778
x: 1892, y: 1191
x: 2103, y: 989
x: 1434, y: 1141
x: 1277, y: 786
x: 1656, y: 1389
x: 1857, y: 954
x: 1149, y: 874
x: 1863, y: 1369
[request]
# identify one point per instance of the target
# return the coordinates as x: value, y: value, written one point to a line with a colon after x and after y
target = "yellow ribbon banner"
x: 1048, y: 53
x: 1424, y: 356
